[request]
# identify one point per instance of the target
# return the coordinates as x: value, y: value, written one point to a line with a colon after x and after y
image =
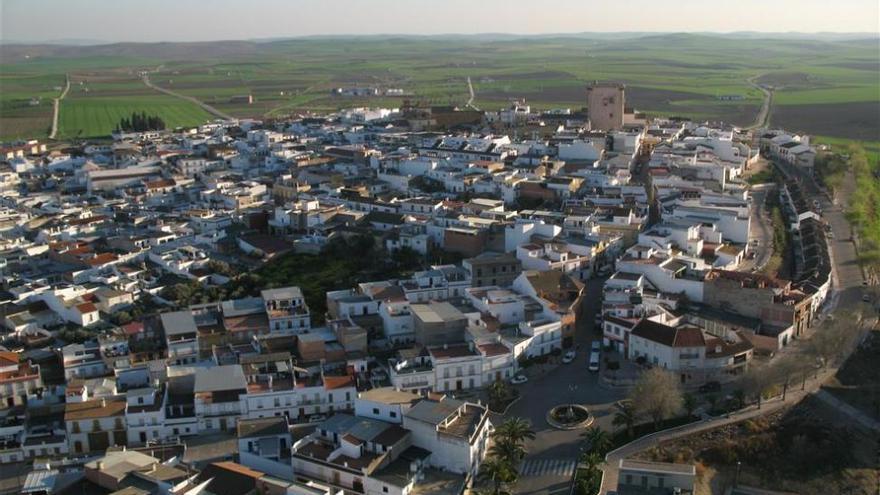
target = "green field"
x: 821, y: 87
x: 96, y: 117
x: 96, y: 103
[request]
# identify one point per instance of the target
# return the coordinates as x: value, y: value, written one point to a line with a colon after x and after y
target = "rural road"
x: 763, y: 117
x: 56, y: 105
x: 470, y: 102
x: 205, y: 106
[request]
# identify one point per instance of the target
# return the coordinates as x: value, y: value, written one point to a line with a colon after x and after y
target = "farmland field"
x: 824, y: 87
x: 95, y: 105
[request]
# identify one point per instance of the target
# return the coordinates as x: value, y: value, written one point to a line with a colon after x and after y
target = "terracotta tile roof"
x: 86, y: 308
x: 334, y: 382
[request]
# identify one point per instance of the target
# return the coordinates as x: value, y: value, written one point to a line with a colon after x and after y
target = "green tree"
x: 498, y: 392
x: 689, y: 402
x: 497, y: 472
x: 509, y: 440
x: 598, y: 440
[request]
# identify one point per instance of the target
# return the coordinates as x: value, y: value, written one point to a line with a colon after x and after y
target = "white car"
x: 866, y: 298
x: 519, y: 379
x: 594, y: 361
x: 568, y: 357
x: 317, y: 418
x: 596, y: 346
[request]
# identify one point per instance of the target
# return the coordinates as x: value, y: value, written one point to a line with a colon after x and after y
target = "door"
x: 143, y: 436
x: 457, y: 384
x: 222, y: 424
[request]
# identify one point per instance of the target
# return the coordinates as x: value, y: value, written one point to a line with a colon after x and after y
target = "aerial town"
x: 584, y: 255
x: 424, y: 300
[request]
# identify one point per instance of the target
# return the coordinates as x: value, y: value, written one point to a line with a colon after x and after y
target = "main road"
x: 552, y: 455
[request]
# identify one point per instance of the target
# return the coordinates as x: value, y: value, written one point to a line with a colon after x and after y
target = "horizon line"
x: 97, y: 42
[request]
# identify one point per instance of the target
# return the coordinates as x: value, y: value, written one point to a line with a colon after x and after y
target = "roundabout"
x: 569, y: 417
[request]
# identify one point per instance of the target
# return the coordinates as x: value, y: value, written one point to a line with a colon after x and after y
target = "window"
x: 375, y: 410
x: 393, y: 414
x: 384, y: 489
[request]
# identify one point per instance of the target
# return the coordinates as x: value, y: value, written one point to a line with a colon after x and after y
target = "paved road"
x: 759, y: 230
x: 208, y: 108
x: 56, y: 107
x: 558, y: 385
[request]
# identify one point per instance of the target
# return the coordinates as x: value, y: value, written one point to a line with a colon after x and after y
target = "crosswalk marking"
x: 548, y: 467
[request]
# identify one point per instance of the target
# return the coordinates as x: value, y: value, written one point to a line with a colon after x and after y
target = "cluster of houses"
x: 99, y: 364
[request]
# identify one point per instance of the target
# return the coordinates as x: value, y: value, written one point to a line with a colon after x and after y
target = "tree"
x: 689, y: 402
x: 598, y: 440
x: 591, y: 460
x: 784, y: 371
x: 625, y: 416
x: 657, y: 394
x: 712, y: 399
x: 509, y: 440
x: 756, y: 382
x: 498, y: 392
x: 497, y: 472
x: 740, y: 396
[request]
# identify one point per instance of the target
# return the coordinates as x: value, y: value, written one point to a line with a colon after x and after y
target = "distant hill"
x: 11, y: 51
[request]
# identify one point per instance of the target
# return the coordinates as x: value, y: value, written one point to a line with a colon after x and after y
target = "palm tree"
x: 509, y: 440
x: 517, y: 430
x: 626, y: 417
x: 689, y: 402
x: 496, y: 471
x: 599, y: 441
x: 591, y: 460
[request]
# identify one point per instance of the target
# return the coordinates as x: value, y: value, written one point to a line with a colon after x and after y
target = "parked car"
x: 594, y: 361
x: 866, y: 298
x: 519, y: 379
x: 596, y: 346
x: 317, y: 418
x: 710, y: 387
x: 568, y: 357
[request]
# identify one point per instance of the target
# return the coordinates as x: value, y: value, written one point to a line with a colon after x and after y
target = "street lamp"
x: 736, y: 479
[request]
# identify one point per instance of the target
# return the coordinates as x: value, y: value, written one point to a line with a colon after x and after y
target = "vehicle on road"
x: 596, y: 346
x: 317, y: 418
x: 866, y: 298
x: 568, y: 357
x: 709, y: 387
x: 519, y: 379
x: 604, y: 271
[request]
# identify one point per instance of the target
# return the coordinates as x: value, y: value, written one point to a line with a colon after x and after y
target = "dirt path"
x: 470, y: 102
x: 208, y: 108
x: 763, y: 117
x: 56, y: 106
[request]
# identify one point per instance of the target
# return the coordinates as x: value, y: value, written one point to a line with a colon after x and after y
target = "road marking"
x: 548, y: 467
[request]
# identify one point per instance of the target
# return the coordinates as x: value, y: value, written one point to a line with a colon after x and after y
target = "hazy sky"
x: 172, y: 20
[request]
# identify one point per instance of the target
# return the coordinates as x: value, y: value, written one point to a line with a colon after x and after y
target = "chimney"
x: 99, y: 465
